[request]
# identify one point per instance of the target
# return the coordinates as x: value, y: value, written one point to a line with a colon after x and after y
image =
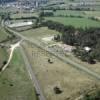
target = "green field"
x: 77, y: 22
x: 3, y: 56
x: 39, y: 32
x: 14, y: 81
x: 69, y: 12
x: 3, y: 34
x: 77, y: 13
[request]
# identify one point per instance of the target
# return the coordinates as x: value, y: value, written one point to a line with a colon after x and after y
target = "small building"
x: 87, y: 49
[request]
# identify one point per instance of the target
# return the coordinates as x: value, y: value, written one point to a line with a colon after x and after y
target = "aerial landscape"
x: 49, y: 49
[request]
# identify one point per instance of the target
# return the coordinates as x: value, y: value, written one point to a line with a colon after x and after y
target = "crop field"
x: 14, y: 81
x: 71, y: 81
x: 76, y: 22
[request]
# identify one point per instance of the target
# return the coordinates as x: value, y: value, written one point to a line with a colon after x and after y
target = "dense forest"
x: 80, y: 38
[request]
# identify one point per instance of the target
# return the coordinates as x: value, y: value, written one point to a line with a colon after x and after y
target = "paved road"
x: 32, y: 75
x: 64, y: 59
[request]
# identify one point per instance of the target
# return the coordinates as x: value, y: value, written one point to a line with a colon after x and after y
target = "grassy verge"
x: 3, y: 56
x: 14, y: 81
x: 3, y: 34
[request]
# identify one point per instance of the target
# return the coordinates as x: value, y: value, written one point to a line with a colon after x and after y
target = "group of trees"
x: 94, y: 96
x: 80, y: 8
x: 72, y: 16
x: 80, y: 38
x: 46, y: 14
x: 52, y: 8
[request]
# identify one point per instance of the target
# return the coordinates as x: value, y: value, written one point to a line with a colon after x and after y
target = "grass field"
x: 92, y: 13
x: 3, y: 34
x: 76, y: 22
x: 14, y: 81
x: 3, y: 56
x: 69, y: 12
x: 39, y: 32
x: 77, y: 13
x: 70, y: 80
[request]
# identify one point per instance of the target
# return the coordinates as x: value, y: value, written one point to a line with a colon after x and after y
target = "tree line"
x: 46, y: 14
x: 80, y: 38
